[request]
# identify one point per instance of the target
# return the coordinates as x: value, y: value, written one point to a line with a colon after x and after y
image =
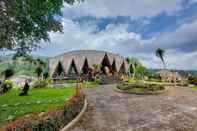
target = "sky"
x: 131, y: 28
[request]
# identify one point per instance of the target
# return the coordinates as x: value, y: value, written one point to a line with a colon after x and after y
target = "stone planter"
x: 144, y: 93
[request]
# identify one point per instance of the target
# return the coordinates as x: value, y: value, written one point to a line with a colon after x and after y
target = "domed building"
x: 79, y: 62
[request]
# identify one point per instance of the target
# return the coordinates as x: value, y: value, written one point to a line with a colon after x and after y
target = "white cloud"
x: 181, y: 44
x: 182, y: 39
x: 116, y: 38
x: 132, y: 8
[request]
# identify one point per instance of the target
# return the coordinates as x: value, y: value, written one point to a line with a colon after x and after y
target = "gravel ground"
x: 108, y: 110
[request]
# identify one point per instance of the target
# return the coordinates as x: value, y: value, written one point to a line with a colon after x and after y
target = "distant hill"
x: 10, y: 56
x: 182, y: 72
x: 20, y: 67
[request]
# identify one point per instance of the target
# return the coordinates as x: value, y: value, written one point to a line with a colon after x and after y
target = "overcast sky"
x: 134, y: 28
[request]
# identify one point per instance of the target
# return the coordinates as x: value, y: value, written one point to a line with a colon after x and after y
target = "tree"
x: 129, y: 62
x: 134, y: 63
x: 23, y: 23
x: 96, y: 67
x: 8, y: 72
x: 141, y: 71
x: 46, y: 73
x: 160, y: 54
x: 39, y: 71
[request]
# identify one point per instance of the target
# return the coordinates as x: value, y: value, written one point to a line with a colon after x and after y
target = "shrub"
x: 192, y: 80
x: 42, y: 83
x: 45, y: 75
x: 154, y: 77
x: 52, y: 120
x: 6, y: 86
x: 8, y: 72
x: 145, y: 86
x: 39, y: 71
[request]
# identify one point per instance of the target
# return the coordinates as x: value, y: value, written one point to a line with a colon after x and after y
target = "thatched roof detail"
x: 93, y: 57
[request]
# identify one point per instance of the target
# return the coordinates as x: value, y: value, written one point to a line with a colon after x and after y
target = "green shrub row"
x: 145, y: 86
x: 41, y: 83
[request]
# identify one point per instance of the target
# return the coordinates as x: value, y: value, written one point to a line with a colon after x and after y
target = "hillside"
x: 182, y: 72
x: 21, y: 67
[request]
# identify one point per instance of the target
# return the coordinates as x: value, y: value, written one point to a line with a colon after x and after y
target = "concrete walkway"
x: 175, y: 110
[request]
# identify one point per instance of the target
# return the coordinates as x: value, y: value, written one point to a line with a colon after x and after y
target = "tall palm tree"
x: 160, y: 54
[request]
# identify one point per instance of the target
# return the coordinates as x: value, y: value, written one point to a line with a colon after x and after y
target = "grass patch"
x: 194, y: 87
x: 13, y: 106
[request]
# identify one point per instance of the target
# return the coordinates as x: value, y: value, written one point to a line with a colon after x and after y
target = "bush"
x: 146, y: 87
x: 192, y: 80
x: 8, y: 72
x: 6, y: 86
x: 52, y: 120
x: 154, y: 77
x: 42, y: 83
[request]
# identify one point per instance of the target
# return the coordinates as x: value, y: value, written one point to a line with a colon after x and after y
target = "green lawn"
x: 194, y: 87
x: 38, y: 100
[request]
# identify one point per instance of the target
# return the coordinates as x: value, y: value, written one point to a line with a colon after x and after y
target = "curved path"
x: 175, y: 110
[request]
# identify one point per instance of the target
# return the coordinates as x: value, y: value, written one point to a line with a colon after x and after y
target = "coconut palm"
x: 160, y: 54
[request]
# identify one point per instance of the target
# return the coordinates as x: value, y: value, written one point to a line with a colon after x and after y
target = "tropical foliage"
x: 160, y: 54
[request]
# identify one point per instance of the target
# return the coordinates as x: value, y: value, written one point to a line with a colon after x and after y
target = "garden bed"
x: 53, y: 120
x: 141, y: 88
x: 13, y: 106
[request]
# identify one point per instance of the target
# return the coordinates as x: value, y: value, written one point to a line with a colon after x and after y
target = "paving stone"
x: 175, y: 110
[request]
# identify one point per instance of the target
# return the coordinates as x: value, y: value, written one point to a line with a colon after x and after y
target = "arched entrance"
x: 73, y: 68
x: 85, y: 68
x: 105, y: 64
x: 114, y: 67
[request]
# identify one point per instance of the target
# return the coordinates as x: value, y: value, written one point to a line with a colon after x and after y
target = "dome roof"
x: 79, y: 56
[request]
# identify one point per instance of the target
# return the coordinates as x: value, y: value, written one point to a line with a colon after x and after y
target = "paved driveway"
x: 108, y: 110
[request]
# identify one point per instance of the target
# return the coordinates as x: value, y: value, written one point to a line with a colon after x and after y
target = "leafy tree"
x: 46, y: 73
x: 134, y: 63
x: 141, y: 71
x: 8, y: 72
x: 39, y: 71
x: 23, y: 23
x: 160, y: 54
x: 41, y: 62
x: 96, y: 67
